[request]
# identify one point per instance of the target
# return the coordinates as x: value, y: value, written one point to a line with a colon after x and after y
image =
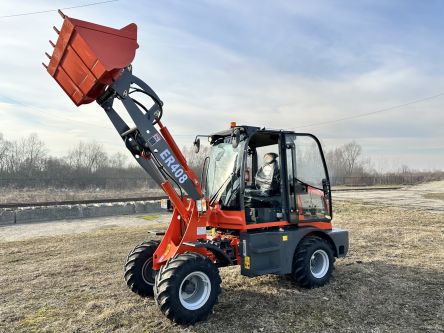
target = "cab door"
x: 309, y: 194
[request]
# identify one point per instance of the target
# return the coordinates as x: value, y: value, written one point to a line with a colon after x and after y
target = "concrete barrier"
x: 147, y: 206
x: 98, y: 210
x: 49, y: 213
x: 62, y: 212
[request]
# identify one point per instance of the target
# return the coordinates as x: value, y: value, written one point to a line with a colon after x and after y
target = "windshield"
x: 224, y: 162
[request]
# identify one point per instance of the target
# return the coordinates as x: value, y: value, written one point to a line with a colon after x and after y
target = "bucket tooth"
x: 44, y: 65
x: 56, y: 30
x: 52, y: 44
x: 61, y: 13
x: 49, y: 57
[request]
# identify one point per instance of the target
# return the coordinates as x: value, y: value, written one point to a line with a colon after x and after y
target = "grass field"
x: 439, y: 196
x: 392, y: 281
x: 26, y: 195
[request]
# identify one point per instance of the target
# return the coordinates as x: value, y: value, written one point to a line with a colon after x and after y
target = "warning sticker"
x: 155, y: 139
x: 247, y: 262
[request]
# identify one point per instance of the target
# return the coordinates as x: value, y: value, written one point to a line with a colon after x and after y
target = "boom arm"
x: 155, y: 151
x: 93, y: 63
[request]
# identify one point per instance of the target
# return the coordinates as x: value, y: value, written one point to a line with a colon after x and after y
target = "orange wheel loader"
x: 263, y: 201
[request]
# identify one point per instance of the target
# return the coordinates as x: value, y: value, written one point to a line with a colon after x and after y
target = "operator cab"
x: 269, y: 175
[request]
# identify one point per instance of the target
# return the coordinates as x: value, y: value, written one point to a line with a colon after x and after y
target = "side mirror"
x: 196, y: 145
x: 235, y: 138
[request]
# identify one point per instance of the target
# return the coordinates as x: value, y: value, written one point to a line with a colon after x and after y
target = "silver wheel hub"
x: 148, y: 273
x: 195, y: 290
x: 319, y: 264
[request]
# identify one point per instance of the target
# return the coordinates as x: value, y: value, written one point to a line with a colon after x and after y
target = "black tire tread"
x: 301, y: 274
x: 131, y: 272
x: 167, y: 278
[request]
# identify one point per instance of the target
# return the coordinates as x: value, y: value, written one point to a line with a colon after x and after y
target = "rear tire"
x: 138, y: 271
x: 312, y: 263
x: 187, y: 287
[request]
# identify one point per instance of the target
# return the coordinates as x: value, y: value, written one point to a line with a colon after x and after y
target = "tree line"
x: 348, y: 166
x: 26, y: 162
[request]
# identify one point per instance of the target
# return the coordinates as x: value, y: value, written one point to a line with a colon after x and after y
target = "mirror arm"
x: 326, y: 187
x: 196, y: 142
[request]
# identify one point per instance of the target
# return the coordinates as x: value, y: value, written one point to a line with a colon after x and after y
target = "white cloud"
x: 205, y: 84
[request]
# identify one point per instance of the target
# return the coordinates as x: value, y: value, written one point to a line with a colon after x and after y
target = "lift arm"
x: 93, y: 63
x: 155, y: 151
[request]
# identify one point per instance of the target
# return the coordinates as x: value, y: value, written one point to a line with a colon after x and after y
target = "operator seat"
x: 267, y: 184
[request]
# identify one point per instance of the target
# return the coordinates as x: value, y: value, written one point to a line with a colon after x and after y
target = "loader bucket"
x: 88, y: 57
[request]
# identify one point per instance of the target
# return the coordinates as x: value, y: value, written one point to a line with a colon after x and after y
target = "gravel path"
x: 408, y: 197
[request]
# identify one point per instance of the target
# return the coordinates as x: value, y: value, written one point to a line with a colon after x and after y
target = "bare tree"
x: 4, y: 151
x: 34, y: 152
x: 404, y: 169
x: 118, y: 161
x: 196, y: 160
x: 344, y: 164
x: 26, y: 163
x: 336, y: 165
x: 351, y: 153
x: 15, y: 157
x: 87, y: 156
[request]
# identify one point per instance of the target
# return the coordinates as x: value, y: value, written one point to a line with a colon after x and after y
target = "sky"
x: 295, y: 65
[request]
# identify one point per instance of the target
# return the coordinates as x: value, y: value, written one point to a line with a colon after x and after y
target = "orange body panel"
x: 191, y: 226
x: 181, y: 230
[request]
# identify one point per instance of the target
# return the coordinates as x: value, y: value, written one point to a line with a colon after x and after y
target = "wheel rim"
x: 147, y: 272
x: 194, y: 290
x: 319, y: 264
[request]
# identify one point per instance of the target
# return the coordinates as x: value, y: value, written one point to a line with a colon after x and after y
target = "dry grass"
x: 439, y: 196
x: 26, y: 195
x: 392, y: 281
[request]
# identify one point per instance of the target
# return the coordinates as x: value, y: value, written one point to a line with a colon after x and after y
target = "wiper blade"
x: 213, y: 198
x: 306, y: 184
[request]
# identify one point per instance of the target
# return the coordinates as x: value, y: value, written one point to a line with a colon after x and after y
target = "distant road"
x: 363, y: 188
x: 153, y: 198
x: 420, y: 197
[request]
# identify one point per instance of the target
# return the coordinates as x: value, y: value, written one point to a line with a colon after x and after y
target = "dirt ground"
x: 392, y: 281
x: 26, y: 195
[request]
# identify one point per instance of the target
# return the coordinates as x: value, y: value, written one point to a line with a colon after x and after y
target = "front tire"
x: 138, y: 271
x: 187, y: 287
x: 312, y: 263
